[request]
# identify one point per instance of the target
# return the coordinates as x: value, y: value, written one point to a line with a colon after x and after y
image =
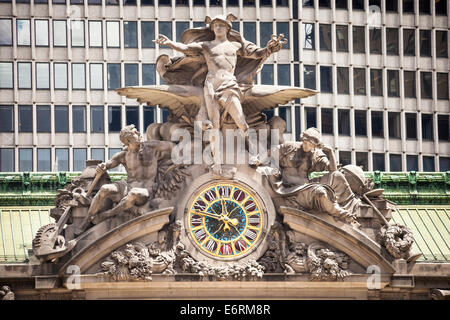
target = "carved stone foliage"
x: 397, y: 239
x: 287, y: 254
x: 6, y: 293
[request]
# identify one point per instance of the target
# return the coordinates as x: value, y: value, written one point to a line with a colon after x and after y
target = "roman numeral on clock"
x: 210, y: 195
x: 200, y: 205
x: 250, y: 234
x: 211, y: 245
x: 196, y: 220
x: 254, y: 220
x: 200, y: 235
x: 250, y: 206
x: 225, y: 191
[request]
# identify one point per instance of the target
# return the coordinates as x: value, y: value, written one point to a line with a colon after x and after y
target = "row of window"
x: 390, y: 5
x: 266, y: 29
x: 78, y: 112
x: 134, y: 74
x: 375, y: 40
x: 113, y: 34
x: 62, y: 162
x: 61, y: 156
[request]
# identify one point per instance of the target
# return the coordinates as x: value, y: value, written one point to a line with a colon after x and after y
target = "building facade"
x: 381, y: 67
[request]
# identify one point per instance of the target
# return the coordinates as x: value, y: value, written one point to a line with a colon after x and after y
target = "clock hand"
x: 232, y: 210
x: 209, y: 215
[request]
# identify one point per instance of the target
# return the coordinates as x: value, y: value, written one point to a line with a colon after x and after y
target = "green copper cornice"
x: 40, y: 188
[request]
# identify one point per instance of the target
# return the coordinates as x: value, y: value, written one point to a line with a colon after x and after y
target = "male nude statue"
x: 221, y: 89
x: 140, y: 160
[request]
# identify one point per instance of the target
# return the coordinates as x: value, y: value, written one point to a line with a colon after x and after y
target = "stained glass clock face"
x: 225, y: 220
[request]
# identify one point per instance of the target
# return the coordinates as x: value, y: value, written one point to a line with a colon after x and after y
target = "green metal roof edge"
x: 40, y: 188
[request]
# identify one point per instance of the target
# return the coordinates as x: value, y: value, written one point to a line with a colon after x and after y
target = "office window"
x: 147, y: 34
x: 78, y: 76
x: 114, y: 119
x: 309, y: 76
x: 6, y: 119
x: 378, y: 162
x: 443, y: 127
x: 375, y: 40
x: 132, y: 114
x: 391, y: 5
x: 43, y: 118
x: 25, y: 160
x: 411, y: 125
x: 297, y: 119
x: 79, y: 159
x: 60, y: 75
x: 180, y: 26
x: 341, y: 4
x: 285, y: 114
x: 113, y: 76
x: 377, y: 124
x: 24, y: 75
x: 267, y: 74
x: 395, y: 162
x: 23, y: 32
x: 412, y: 163
x: 444, y: 164
x: 427, y: 126
x: 149, y: 116
x: 327, y: 120
x: 98, y: 154
x: 392, y: 41
x: 41, y: 32
x: 6, y: 75
x: 426, y: 89
x: 61, y: 160
x: 308, y: 3
x: 25, y: 119
x: 393, y: 83
x: 341, y: 38
x: 362, y: 160
x: 358, y: 4
x: 61, y: 119
x: 408, y: 6
x: 441, y: 7
x: 428, y: 163
x: 250, y: 31
x: 308, y: 33
x: 97, y: 119
x: 165, y: 28
x: 283, y: 28
x: 147, y: 2
x: 311, y: 117
x: 59, y: 33
x: 359, y: 81
x: 96, y: 76
x: 265, y: 32
x: 324, y: 4
x: 359, y: 36
x: 394, y: 124
x: 284, y: 75
x: 342, y: 80
x: 409, y: 42
x: 95, y: 34
x: 111, y: 153
x: 130, y: 34
x: 345, y: 158
x: 326, y: 85
x: 441, y: 44
x: 43, y: 159
x: 424, y: 7
x: 360, y: 123
x: 42, y: 75
x: 112, y: 34
x: 376, y: 82
x: 325, y: 37
x: 131, y: 74
x: 79, y: 118
x: 148, y: 74
x: 77, y: 33
x: 442, y: 85
x: 6, y: 160
x: 425, y: 43
x: 410, y: 84
x: 344, y: 122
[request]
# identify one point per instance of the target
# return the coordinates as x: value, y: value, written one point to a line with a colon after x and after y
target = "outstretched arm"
x: 116, y: 160
x: 273, y: 45
x: 191, y: 48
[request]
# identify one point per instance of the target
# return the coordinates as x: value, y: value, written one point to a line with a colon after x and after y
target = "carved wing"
x: 261, y: 97
x: 173, y: 97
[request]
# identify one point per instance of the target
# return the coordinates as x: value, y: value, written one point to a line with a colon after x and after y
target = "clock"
x: 226, y: 220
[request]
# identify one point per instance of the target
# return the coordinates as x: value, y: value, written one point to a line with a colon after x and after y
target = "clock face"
x: 225, y: 220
